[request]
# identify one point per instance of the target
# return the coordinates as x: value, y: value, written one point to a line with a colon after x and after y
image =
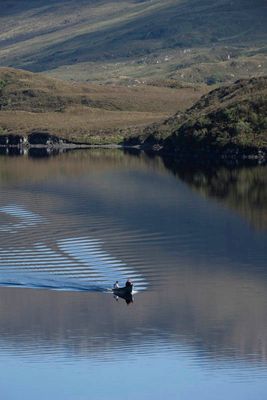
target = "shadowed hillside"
x: 190, y: 40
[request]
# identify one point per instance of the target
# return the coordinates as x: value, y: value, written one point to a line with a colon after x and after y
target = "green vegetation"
x: 2, y: 84
x: 229, y: 118
x: 240, y: 124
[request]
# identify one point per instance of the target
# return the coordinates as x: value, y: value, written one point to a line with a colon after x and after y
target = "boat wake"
x: 70, y: 264
x: 25, y: 218
x: 53, y: 283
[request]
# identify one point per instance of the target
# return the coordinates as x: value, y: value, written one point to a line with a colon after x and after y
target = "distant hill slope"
x: 229, y: 118
x: 30, y: 102
x: 136, y: 39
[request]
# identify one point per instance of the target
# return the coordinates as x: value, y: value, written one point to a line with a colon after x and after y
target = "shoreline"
x: 215, y: 156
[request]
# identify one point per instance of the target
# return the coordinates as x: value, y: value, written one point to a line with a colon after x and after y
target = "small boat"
x: 124, y: 291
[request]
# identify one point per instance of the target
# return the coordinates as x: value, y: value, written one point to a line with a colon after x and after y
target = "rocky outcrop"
x: 11, y: 140
x: 43, y: 139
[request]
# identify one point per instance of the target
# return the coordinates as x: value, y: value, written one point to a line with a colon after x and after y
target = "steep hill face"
x: 149, y: 38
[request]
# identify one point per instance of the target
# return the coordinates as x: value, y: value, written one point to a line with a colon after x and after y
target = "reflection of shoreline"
x: 243, y: 189
x: 204, y: 161
x: 34, y: 151
x: 39, y: 151
x: 240, y: 185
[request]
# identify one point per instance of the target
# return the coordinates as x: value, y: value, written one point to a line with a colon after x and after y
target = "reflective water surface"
x: 192, y: 239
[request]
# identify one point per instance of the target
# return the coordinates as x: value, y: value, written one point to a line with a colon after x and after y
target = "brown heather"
x: 33, y: 102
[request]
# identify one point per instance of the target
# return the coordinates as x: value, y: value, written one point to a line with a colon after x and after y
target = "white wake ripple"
x: 26, y: 218
x: 77, y: 263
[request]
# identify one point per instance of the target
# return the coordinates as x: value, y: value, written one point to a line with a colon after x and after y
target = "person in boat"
x: 116, y: 285
x: 128, y: 283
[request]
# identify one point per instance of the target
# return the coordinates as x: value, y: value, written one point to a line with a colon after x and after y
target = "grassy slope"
x: 127, y: 40
x: 230, y: 116
x: 31, y: 102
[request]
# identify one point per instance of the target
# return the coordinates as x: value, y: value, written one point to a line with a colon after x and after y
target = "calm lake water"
x: 194, y: 241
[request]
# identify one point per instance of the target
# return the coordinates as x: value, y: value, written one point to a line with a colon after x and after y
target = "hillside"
x: 83, y: 112
x: 229, y: 119
x: 192, y: 41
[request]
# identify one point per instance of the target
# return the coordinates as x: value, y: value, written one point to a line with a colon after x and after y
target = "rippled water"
x: 193, y: 240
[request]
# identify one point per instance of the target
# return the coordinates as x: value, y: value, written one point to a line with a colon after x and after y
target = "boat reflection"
x: 128, y: 297
x: 125, y: 293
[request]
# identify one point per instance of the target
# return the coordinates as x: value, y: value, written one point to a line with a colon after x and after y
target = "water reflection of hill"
x: 74, y: 163
x: 242, y: 189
